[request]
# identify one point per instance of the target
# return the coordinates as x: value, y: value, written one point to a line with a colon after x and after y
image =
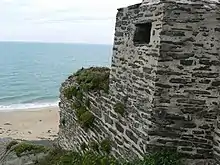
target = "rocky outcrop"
x: 15, y: 153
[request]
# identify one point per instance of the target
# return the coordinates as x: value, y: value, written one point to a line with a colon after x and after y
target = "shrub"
x: 91, y: 158
x: 83, y: 146
x: 26, y: 147
x: 87, y: 103
x: 94, y: 146
x: 79, y: 95
x: 105, y: 146
x: 76, y: 104
x: 80, y: 111
x: 86, y: 119
x: 164, y: 158
x: 70, y: 92
x: 70, y: 158
x: 59, y: 157
x: 11, y: 144
x: 119, y: 108
x: 54, y: 157
x: 159, y: 158
x: 93, y: 79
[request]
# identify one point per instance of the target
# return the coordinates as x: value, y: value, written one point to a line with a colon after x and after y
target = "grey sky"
x: 88, y: 21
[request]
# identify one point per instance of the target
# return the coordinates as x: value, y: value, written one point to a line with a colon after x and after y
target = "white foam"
x: 27, y: 106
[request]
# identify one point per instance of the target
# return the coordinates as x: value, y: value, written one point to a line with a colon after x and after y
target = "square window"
x: 142, y: 33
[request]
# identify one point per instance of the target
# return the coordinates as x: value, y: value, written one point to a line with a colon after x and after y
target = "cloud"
x: 59, y: 21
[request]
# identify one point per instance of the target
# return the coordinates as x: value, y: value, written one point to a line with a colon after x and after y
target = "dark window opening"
x: 142, y: 33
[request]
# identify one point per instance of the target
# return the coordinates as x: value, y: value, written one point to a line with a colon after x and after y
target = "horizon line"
x: 53, y: 42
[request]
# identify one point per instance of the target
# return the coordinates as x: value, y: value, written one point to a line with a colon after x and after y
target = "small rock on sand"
x: 7, y: 124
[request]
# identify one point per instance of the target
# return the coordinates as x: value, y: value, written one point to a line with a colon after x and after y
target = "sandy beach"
x: 31, y: 124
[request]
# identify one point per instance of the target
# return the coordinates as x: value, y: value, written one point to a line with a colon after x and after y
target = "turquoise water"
x: 31, y: 73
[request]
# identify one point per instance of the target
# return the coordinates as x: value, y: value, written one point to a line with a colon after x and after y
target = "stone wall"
x: 185, y: 106
x: 169, y: 87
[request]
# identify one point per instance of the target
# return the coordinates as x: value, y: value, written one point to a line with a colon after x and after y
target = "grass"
x: 59, y: 157
x: 29, y: 148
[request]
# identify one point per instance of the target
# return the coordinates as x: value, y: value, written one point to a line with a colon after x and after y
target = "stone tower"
x: 166, y: 61
x: 166, y: 71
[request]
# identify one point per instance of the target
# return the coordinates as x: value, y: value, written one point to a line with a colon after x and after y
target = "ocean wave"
x: 27, y: 106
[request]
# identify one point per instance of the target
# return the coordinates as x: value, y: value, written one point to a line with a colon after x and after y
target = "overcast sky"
x: 87, y: 21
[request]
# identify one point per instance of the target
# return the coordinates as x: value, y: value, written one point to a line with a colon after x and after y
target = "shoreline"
x: 30, y: 124
x: 28, y: 106
x: 29, y: 109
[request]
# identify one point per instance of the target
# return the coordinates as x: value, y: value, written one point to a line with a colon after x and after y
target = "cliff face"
x: 163, y: 87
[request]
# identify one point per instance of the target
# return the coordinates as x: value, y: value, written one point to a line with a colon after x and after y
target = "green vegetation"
x: 119, y: 108
x: 83, y: 146
x: 86, y: 119
x: 59, y: 157
x: 87, y: 103
x: 93, y: 145
x: 80, y: 111
x: 74, y: 158
x: 93, y: 79
x: 162, y: 158
x: 11, y: 144
x: 53, y: 158
x: 70, y: 92
x: 30, y: 148
x: 105, y: 146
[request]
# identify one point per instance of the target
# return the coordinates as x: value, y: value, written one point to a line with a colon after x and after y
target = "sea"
x: 31, y: 73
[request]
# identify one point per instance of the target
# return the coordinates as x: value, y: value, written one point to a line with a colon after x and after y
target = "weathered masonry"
x: 165, y: 70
